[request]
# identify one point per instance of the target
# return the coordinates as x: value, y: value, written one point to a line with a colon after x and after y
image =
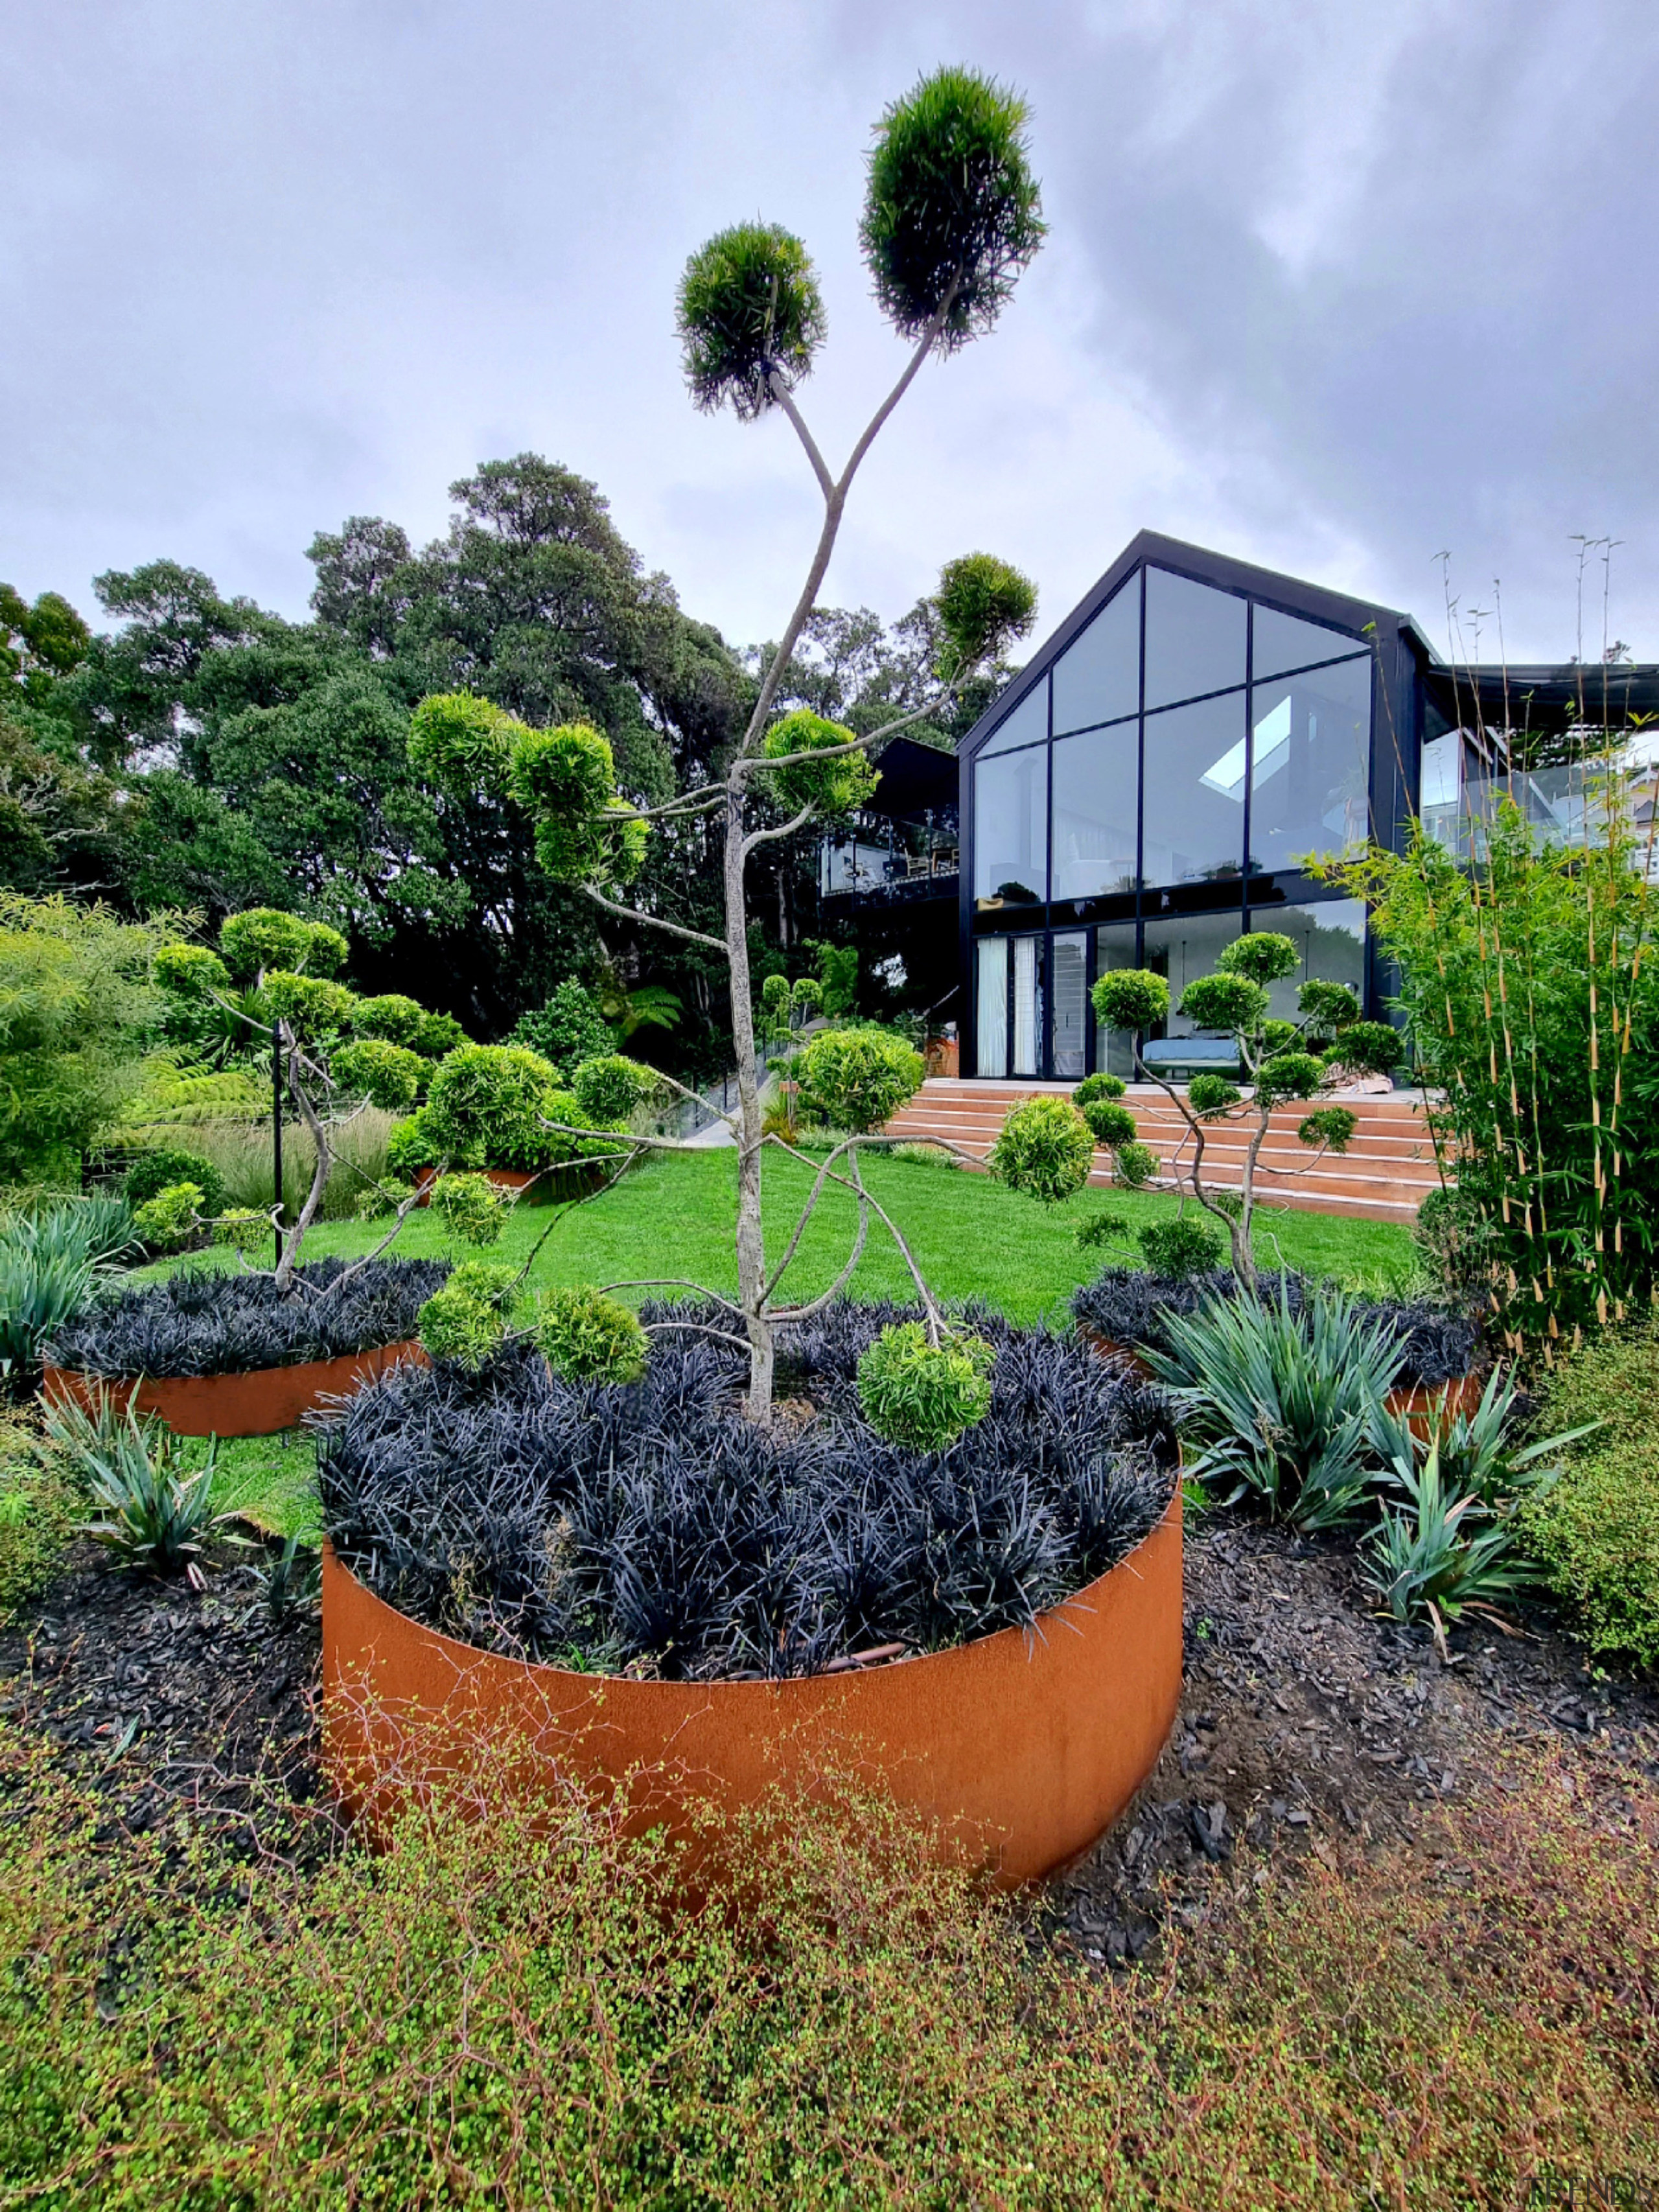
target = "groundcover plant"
x: 202, y: 1322
x: 652, y: 1526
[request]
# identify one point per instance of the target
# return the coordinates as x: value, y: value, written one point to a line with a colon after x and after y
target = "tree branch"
x: 654, y: 920
x: 784, y: 830
x: 783, y: 397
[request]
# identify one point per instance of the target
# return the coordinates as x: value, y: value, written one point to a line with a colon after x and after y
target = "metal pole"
x: 276, y: 1131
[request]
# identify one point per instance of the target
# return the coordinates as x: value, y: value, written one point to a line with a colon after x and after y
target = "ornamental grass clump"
x: 202, y: 1322
x: 648, y: 1525
x: 52, y: 1263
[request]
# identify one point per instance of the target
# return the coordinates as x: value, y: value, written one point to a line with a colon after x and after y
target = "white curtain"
x: 1027, y: 1015
x: 993, y: 1006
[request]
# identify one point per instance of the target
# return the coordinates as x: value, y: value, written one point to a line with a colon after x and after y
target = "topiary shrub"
x: 607, y: 1089
x: 1111, y: 1124
x: 485, y: 1107
x: 312, y: 1007
x: 438, y: 1034
x: 414, y: 1146
x: 172, y: 1219
x: 471, y: 1207
x: 392, y: 1017
x: 568, y: 1029
x: 1134, y: 1166
x: 242, y: 1229
x: 1181, y: 1248
x: 388, y: 1075
x: 1098, y: 1086
x: 1045, y: 1148
x: 584, y: 1336
x: 464, y: 1322
x: 922, y: 1396
x: 858, y: 1078
x: 154, y: 1171
x: 832, y: 788
x: 263, y: 937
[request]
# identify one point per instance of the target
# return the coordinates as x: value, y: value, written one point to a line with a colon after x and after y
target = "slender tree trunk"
x: 751, y: 1246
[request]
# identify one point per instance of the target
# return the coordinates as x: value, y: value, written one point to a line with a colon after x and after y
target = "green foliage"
x: 1134, y: 1166
x: 189, y: 971
x: 51, y: 1262
x: 1281, y: 1404
x: 1532, y: 1005
x: 838, y: 978
x: 1098, y: 1086
x: 313, y: 1008
x: 566, y: 780
x: 806, y: 999
x: 952, y: 212
x: 586, y: 1337
x: 1287, y: 1075
x: 76, y: 1012
x: 830, y: 788
x: 1103, y: 1227
x: 1330, y: 1127
x: 152, y: 1171
x: 1275, y: 1035
x: 435, y: 1034
x: 607, y: 1089
x: 471, y: 1207
x: 984, y: 607
x: 1367, y: 1049
x: 1131, y: 999
x: 41, y: 1505
x: 1326, y: 1007
x: 264, y: 938
x: 172, y: 1219
x: 1435, y: 1556
x: 414, y: 1144
x: 1046, y: 1148
x: 153, y: 1512
x: 243, y: 1229
x: 1262, y: 955
x: 923, y: 1396
x: 395, y: 1019
x: 748, y: 312
x: 1211, y: 1095
x: 389, y: 1076
x: 568, y: 1029
x: 485, y: 1107
x: 1181, y: 1248
x: 467, y: 1321
x: 1595, y: 1531
x: 1224, y: 1002
x: 461, y: 743
x: 1111, y: 1124
x: 857, y: 1079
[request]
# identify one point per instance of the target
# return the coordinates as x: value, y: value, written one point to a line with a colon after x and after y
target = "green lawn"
x: 673, y: 1216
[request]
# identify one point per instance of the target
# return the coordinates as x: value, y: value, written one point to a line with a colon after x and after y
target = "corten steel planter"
x: 1022, y: 1748
x: 255, y: 1403
x: 517, y: 1179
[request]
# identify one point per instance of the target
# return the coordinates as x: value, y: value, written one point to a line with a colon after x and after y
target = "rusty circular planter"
x: 255, y: 1403
x: 1022, y: 1748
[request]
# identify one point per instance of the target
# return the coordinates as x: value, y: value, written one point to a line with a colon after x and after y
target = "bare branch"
x: 817, y: 1305
x: 643, y: 1144
x: 654, y: 920
x: 672, y: 1283
x: 782, y: 395
x: 930, y: 1305
x: 784, y: 830
x: 698, y: 1328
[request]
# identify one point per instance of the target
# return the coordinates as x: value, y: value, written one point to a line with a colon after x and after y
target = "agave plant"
x: 1477, y: 1451
x: 1435, y: 1555
x: 152, y: 1511
x: 1282, y: 1403
x: 51, y: 1264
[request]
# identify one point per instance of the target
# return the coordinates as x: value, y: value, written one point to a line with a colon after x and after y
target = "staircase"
x: 1384, y: 1175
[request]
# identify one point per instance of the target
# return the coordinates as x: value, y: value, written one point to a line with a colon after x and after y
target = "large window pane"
x: 1095, y: 813
x: 1115, y: 947
x: 1010, y: 828
x: 1183, y: 949
x: 1194, y: 807
x: 1070, y: 987
x: 1028, y: 1005
x: 1284, y: 641
x: 1331, y: 939
x: 993, y: 1005
x: 1442, y: 790
x: 1194, y: 638
x: 1312, y: 763
x: 1027, y: 723
x: 1098, y: 677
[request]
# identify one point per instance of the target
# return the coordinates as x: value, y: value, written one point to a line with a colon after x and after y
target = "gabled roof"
x: 1218, y: 569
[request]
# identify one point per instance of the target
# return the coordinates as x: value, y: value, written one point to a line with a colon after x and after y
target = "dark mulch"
x: 173, y: 1700
x: 1308, y: 1728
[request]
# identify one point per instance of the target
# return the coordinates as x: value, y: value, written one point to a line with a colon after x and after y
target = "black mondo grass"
x: 1127, y: 1306
x: 200, y: 1321
x: 649, y: 1528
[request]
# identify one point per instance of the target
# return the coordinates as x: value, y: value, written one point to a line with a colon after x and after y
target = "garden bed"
x: 994, y: 1627
x: 216, y: 1354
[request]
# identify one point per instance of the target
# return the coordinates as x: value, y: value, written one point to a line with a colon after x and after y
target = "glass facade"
x: 1155, y: 792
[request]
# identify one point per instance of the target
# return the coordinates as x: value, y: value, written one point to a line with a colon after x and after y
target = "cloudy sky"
x: 1338, y: 289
